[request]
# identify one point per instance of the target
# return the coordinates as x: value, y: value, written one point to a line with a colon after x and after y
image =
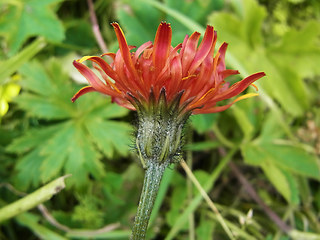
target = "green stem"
x: 148, y: 196
x: 33, y: 199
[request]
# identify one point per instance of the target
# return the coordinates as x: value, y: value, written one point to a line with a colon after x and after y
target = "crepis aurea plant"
x: 165, y: 85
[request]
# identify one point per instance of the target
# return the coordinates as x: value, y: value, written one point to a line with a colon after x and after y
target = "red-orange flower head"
x: 165, y: 85
x: 189, y: 73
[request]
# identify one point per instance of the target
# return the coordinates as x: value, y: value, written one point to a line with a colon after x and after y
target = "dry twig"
x: 96, y: 28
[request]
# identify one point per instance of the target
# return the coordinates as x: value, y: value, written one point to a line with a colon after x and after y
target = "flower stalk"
x: 159, y: 143
x: 151, y: 184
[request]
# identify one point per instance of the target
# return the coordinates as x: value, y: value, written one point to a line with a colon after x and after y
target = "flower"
x: 165, y: 85
x: 188, y: 75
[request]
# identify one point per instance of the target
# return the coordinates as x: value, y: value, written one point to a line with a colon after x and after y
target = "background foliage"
x: 274, y: 139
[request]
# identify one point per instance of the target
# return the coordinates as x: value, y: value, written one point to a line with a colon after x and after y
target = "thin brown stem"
x: 253, y: 194
x: 51, y: 219
x: 96, y: 28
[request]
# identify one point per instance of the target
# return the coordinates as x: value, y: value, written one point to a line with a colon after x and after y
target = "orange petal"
x: 112, y: 55
x: 162, y: 45
x: 141, y: 49
x: 105, y: 67
x: 245, y: 96
x: 211, y: 110
x: 239, y: 87
x: 124, y: 48
x: 188, y: 52
x: 204, y: 49
x: 176, y: 75
x: 82, y: 91
x: 92, y: 78
x: 255, y: 86
x: 222, y: 108
x: 222, y: 52
x: 228, y: 72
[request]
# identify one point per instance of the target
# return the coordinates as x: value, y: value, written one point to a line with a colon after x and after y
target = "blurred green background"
x: 273, y: 140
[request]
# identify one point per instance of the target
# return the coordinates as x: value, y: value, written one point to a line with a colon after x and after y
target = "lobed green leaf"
x: 19, y: 21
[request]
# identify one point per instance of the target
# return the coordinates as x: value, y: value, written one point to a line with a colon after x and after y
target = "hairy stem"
x: 148, y: 196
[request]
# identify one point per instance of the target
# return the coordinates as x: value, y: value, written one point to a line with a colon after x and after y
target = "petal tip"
x: 210, y: 28
x: 115, y: 24
x: 164, y: 23
x: 81, y: 92
x: 75, y: 63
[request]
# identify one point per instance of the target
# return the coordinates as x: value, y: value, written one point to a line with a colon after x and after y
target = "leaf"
x: 284, y: 82
x: 32, y: 222
x: 177, y: 200
x: 11, y: 65
x: 202, y: 177
x: 77, y: 28
x: 195, y: 10
x: 253, y: 16
x: 112, y: 183
x: 299, y: 49
x: 205, y: 229
x: 202, y: 146
x: 31, y: 139
x: 284, y: 155
x: 295, y: 159
x: 109, y: 135
x: 270, y: 129
x: 249, y: 114
x: 30, y: 18
x: 56, y: 151
x: 281, y: 178
x: 108, y: 111
x: 75, y: 135
x: 88, y: 212
x: 281, y: 160
x: 203, y: 122
x: 51, y: 101
x: 42, y: 107
x: 253, y: 154
x: 243, y: 122
x: 82, y: 158
x: 143, y: 16
x: 36, y: 78
x: 280, y: 84
x: 283, y: 181
x: 137, y: 17
x: 28, y: 170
